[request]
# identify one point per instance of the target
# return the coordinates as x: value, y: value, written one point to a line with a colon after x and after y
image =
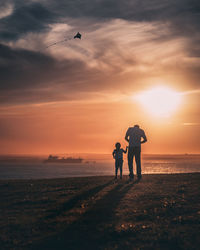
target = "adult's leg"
x: 130, y: 161
x: 138, y: 161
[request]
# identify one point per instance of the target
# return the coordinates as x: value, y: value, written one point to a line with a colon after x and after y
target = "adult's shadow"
x: 71, y: 203
x: 95, y: 227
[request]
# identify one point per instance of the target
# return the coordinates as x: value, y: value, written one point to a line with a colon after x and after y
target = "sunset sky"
x: 138, y: 62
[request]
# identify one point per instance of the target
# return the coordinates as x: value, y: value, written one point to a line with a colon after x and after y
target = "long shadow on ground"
x: 71, y: 203
x: 94, y: 228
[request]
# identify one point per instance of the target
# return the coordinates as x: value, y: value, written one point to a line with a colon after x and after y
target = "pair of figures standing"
x: 135, y: 136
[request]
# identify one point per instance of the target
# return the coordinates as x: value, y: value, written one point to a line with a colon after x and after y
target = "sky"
x: 82, y: 95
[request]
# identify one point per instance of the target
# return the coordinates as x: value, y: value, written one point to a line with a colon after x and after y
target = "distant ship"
x: 56, y: 159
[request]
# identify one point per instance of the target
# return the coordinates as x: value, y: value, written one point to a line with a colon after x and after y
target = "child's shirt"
x: 118, y: 154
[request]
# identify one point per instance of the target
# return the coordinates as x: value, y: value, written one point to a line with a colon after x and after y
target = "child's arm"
x: 125, y: 151
x: 113, y: 153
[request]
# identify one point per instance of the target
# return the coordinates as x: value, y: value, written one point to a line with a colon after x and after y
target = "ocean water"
x: 150, y: 164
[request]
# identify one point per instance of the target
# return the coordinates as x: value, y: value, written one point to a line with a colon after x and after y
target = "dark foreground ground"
x: 159, y: 212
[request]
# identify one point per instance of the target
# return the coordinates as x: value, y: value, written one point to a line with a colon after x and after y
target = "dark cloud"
x: 35, y: 16
x: 28, y: 76
x: 138, y: 10
x: 32, y: 17
x: 19, y: 68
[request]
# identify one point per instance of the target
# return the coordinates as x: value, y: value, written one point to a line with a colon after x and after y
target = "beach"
x: 159, y: 212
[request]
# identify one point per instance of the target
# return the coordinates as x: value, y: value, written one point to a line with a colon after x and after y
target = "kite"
x: 78, y: 35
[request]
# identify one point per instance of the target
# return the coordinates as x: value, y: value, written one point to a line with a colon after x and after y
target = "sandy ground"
x: 159, y: 212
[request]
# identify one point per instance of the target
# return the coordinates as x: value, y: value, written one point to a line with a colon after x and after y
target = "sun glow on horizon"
x: 159, y: 101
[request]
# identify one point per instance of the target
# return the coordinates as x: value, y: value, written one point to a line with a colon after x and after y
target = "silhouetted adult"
x: 134, y: 136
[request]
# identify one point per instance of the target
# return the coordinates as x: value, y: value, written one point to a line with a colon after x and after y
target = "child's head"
x: 118, y: 145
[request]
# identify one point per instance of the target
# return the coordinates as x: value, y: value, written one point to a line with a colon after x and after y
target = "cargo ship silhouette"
x: 56, y: 159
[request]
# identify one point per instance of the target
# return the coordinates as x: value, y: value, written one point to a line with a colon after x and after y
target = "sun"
x: 159, y: 101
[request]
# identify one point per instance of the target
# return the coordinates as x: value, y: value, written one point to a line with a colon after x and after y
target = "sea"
x: 29, y: 167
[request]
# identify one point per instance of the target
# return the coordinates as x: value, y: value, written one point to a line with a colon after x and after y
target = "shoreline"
x: 93, y: 176
x: 162, y: 211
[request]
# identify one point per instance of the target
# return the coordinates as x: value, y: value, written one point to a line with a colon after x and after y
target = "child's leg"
x: 116, y: 168
x: 120, y: 166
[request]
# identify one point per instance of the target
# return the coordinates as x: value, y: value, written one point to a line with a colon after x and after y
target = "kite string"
x: 67, y: 39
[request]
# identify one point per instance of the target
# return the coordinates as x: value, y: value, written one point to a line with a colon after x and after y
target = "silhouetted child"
x: 118, y: 156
